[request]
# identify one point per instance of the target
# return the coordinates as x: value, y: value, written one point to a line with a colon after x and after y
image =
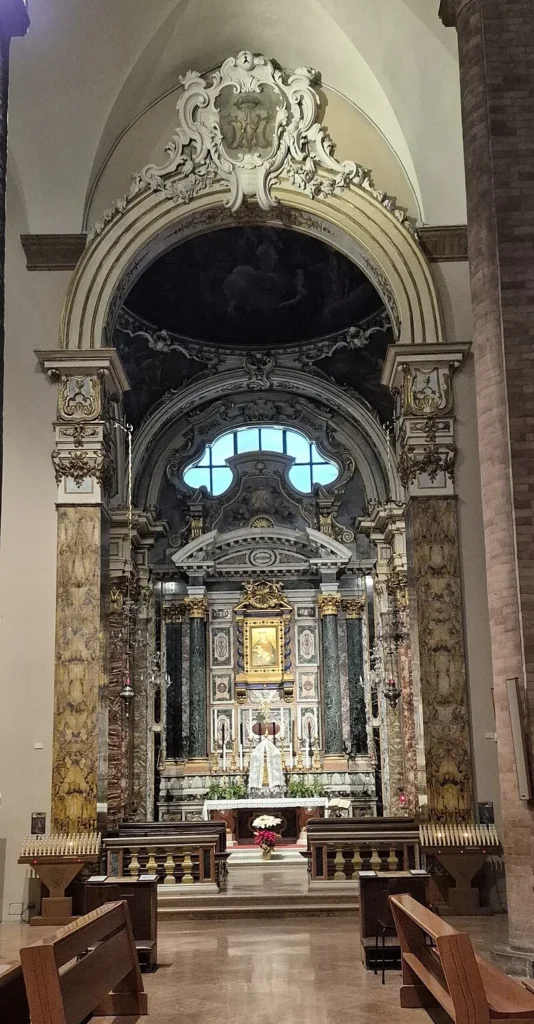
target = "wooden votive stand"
x: 56, y: 861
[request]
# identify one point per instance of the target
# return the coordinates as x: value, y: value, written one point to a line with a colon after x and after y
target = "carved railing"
x: 175, y: 860
x: 338, y: 849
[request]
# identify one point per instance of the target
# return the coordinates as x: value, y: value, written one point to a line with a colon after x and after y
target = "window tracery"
x: 310, y: 466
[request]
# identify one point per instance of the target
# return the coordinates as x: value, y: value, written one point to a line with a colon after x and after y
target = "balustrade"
x: 175, y: 860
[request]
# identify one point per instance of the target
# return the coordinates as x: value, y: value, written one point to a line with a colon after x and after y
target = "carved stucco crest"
x: 79, y: 398
x: 245, y: 127
x: 426, y: 392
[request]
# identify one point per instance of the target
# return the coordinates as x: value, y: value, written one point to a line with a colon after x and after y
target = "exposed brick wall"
x: 496, y: 51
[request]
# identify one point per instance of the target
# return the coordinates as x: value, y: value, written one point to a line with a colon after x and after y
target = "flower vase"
x: 266, y: 852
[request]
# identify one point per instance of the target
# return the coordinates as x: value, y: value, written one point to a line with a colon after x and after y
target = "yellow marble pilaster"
x: 80, y: 609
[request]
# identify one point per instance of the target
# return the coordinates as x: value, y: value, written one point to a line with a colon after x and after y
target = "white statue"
x: 266, y: 777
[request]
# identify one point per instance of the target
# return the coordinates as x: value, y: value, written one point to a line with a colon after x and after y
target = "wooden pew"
x: 439, y: 966
x: 105, y: 982
x: 142, y: 901
x: 13, y: 1002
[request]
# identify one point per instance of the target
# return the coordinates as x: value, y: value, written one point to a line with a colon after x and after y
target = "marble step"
x: 269, y: 904
x: 252, y: 858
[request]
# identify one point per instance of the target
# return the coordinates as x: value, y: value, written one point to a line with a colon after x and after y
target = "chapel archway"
x: 293, y: 184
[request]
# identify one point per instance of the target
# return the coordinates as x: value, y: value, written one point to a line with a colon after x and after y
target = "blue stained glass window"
x: 309, y: 468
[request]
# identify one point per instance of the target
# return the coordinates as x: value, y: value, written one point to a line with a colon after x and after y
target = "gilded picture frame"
x: 263, y: 649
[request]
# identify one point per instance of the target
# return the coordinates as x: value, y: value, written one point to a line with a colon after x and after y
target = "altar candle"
x: 241, y: 751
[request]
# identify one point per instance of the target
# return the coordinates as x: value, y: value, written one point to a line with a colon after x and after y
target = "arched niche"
x: 151, y: 223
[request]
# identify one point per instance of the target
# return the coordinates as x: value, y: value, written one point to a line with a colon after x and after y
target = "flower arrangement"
x: 265, y: 836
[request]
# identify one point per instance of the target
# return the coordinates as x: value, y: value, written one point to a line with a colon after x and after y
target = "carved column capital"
x: 328, y: 604
x: 90, y: 386
x: 174, y: 613
x: 353, y: 608
x: 196, y: 607
x: 422, y: 378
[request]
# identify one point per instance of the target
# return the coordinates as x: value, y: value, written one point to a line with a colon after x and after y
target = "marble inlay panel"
x: 436, y: 591
x: 78, y: 667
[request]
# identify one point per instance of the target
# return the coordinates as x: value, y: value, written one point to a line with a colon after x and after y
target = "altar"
x: 239, y: 815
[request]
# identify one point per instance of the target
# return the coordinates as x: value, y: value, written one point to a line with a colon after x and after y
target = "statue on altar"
x: 266, y: 775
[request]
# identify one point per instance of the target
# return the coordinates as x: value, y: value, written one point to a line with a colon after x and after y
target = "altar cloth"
x: 268, y: 804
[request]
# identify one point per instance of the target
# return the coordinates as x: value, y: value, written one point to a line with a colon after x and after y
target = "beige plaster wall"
x: 452, y: 281
x: 27, y: 555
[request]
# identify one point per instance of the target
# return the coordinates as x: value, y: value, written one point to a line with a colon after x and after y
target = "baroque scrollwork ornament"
x: 79, y: 398
x: 245, y: 127
x: 263, y: 595
x: 431, y: 459
x: 80, y: 465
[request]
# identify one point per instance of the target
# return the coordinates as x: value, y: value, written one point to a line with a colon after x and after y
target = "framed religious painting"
x: 263, y: 649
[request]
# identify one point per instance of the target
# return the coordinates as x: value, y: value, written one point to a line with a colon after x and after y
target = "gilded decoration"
x: 328, y: 604
x: 264, y: 653
x: 79, y: 398
x: 80, y: 465
x: 353, y: 608
x: 196, y: 607
x: 263, y: 594
x: 433, y: 529
x: 432, y: 457
x: 426, y: 392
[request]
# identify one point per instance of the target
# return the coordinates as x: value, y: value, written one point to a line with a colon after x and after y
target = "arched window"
x: 310, y: 467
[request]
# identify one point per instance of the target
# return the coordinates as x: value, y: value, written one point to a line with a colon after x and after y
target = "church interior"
x: 266, y: 596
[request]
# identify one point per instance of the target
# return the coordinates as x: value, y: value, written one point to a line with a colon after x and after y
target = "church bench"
x: 13, y: 1002
x: 439, y: 966
x: 107, y: 981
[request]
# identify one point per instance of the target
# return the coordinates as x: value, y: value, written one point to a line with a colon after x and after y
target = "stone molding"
x: 53, y: 252
x: 444, y: 243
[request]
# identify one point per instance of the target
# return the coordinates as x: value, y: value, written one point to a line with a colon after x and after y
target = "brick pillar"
x: 496, y: 57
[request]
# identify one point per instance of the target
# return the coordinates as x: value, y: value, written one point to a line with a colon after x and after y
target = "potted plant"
x: 265, y: 835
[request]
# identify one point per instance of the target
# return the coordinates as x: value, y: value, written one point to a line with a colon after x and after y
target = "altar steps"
x: 260, y: 889
x: 233, y: 907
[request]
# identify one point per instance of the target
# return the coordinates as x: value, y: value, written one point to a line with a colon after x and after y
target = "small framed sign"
x: 38, y: 823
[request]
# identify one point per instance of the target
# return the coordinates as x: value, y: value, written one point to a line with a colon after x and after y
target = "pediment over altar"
x: 250, y: 552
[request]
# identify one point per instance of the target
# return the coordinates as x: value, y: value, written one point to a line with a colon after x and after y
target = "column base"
x: 511, y: 960
x: 335, y: 763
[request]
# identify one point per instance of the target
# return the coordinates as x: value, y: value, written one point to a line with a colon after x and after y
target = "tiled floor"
x: 306, y: 971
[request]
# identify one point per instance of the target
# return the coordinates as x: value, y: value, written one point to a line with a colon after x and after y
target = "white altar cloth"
x: 268, y: 804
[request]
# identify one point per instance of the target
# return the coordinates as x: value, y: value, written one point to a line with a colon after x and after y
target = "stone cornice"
x: 85, y: 362
x: 52, y: 252
x: 444, y: 243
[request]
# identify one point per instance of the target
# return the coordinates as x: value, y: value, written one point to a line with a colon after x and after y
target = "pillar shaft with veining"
x: 329, y: 605
x: 198, y: 723
x: 174, y: 697
x: 357, y: 711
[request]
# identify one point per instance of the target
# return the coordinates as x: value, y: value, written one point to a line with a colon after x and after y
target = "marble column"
x: 119, y: 785
x: 354, y: 610
x: 496, y: 64
x: 329, y: 605
x: 174, y: 746
x: 90, y: 385
x: 198, y: 697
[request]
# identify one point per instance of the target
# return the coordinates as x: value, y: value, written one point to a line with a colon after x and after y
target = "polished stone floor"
x: 306, y: 971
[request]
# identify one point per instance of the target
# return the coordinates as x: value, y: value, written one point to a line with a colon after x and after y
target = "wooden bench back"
x: 107, y: 981
x: 13, y: 1002
x: 447, y: 969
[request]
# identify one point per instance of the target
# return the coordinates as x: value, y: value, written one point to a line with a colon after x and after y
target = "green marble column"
x: 358, y: 719
x: 198, y: 723
x: 329, y: 605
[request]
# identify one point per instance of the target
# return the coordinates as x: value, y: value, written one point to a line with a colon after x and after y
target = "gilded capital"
x: 353, y: 608
x: 196, y: 607
x: 328, y: 604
